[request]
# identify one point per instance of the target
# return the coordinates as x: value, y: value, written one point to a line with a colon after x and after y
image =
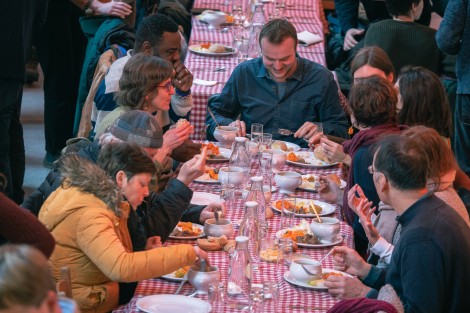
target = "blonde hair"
x: 25, y: 276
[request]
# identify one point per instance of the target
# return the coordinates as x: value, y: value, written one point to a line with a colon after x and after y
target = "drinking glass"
x: 265, y: 142
x: 216, y: 296
x: 271, y: 295
x: 266, y: 162
x: 256, y: 130
x: 268, y: 250
x: 257, y: 299
x: 284, y: 252
x: 287, y: 211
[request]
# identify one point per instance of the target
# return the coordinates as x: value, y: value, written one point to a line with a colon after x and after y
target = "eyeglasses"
x: 167, y: 86
x: 371, y: 169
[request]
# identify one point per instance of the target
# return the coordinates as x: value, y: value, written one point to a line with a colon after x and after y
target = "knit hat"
x: 138, y: 127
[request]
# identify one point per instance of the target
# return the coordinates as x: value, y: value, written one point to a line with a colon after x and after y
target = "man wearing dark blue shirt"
x: 280, y: 90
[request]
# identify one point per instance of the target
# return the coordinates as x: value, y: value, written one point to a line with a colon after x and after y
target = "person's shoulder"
x: 314, y: 68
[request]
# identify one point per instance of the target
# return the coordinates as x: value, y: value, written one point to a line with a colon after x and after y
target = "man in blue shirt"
x: 280, y: 90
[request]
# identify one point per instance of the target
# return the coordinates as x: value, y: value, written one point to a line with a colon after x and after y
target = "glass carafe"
x: 240, y: 276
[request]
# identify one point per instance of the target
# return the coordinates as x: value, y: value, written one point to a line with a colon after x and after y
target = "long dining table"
x: 291, y: 298
x: 305, y: 15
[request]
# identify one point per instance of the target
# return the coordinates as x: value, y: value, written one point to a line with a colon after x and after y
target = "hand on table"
x: 153, y: 242
x: 209, y: 211
x: 348, y: 260
x: 193, y: 168
x: 241, y: 126
x: 183, y: 77
x: 349, y: 38
x: 345, y: 287
x: 120, y: 9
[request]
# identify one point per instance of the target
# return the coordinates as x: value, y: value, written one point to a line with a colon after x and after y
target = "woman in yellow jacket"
x: 87, y: 217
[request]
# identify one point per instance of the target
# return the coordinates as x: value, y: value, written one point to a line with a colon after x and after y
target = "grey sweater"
x: 453, y: 37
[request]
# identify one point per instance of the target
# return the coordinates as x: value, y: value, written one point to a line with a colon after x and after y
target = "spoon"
x: 284, y: 132
x: 324, y: 257
x: 181, y: 285
x: 315, y: 210
x: 220, y: 69
x: 203, y: 265
x: 216, y: 215
x: 213, y: 117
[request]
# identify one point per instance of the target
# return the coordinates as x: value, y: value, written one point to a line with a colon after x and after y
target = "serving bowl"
x: 214, y: 19
x: 288, y: 181
x: 224, y: 227
x: 225, y: 135
x: 299, y: 267
x: 202, y: 280
x: 233, y: 175
x: 327, y: 231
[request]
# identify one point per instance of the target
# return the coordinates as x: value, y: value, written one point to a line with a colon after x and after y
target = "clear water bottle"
x: 240, y: 276
x: 256, y: 194
x: 240, y: 157
x: 257, y: 23
x: 250, y: 228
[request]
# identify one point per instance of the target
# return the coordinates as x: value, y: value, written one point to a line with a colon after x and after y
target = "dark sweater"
x: 408, y: 43
x: 429, y: 268
x: 453, y: 37
x: 19, y: 226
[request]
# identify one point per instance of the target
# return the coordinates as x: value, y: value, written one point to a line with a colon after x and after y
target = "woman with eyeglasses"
x: 145, y: 85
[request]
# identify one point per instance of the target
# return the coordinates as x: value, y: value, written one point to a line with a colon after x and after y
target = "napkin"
x: 306, y: 38
x: 202, y: 82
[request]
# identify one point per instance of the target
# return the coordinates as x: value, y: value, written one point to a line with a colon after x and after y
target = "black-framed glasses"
x: 167, y: 86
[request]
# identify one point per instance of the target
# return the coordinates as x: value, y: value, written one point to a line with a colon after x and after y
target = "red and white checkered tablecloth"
x: 304, y: 14
x: 289, y: 295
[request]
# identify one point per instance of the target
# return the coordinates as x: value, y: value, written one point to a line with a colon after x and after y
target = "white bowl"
x: 279, y: 158
x: 236, y: 175
x: 224, y: 227
x: 327, y: 231
x: 299, y: 273
x: 266, y: 190
x: 214, y: 19
x: 288, y: 181
x: 225, y: 135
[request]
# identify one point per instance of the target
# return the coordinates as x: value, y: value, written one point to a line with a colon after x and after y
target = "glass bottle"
x: 240, y: 157
x: 257, y: 23
x: 250, y: 228
x: 256, y: 193
x: 240, y: 276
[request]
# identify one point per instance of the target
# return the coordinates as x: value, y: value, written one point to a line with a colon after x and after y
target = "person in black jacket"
x: 159, y: 214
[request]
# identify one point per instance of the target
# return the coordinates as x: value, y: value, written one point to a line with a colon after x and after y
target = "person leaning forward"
x: 280, y: 90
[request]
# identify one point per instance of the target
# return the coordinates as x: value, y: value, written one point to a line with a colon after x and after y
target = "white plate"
x: 290, y: 146
x: 225, y: 156
x: 190, y: 237
x: 197, y: 49
x: 172, y: 304
x: 308, y: 186
x: 320, y: 286
x: 204, y: 198
x: 338, y: 240
x: 312, y: 161
x: 206, y: 179
x: 327, y: 208
x: 172, y: 277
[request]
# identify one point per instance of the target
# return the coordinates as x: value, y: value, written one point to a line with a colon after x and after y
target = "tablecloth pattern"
x: 305, y: 15
x: 290, y: 295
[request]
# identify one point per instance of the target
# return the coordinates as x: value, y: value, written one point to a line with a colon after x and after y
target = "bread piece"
x: 181, y: 122
x: 212, y: 243
x: 319, y: 153
x: 335, y: 178
x: 216, y: 48
x: 269, y: 213
x: 230, y: 245
x: 279, y: 145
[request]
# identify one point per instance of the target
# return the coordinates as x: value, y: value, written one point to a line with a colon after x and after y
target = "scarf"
x: 362, y: 305
x: 363, y: 138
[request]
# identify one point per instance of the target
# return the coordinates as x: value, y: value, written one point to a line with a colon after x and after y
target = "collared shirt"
x: 310, y: 95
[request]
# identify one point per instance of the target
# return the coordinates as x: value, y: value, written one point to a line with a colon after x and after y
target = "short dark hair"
x: 151, y: 29
x: 127, y: 157
x: 403, y: 161
x: 140, y: 77
x: 375, y: 57
x: 277, y: 30
x: 424, y: 100
x: 373, y: 101
x: 400, y: 7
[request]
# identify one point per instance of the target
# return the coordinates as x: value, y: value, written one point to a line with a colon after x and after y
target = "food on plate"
x: 205, y: 45
x: 301, y: 207
x: 295, y: 158
x: 186, y: 229
x: 212, y: 243
x: 309, y: 181
x: 269, y: 255
x: 216, y: 48
x: 229, y: 18
x: 213, y: 173
x: 212, y: 150
x: 301, y: 233
x: 209, y: 47
x: 320, y: 154
x: 335, y: 178
x: 293, y: 234
x: 325, y: 276
x: 179, y: 273
x: 279, y: 145
x: 269, y: 213
x: 181, y: 122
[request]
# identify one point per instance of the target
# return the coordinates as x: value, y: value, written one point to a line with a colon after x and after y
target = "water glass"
x: 284, y: 252
x: 266, y: 162
x: 256, y: 131
x: 216, y: 296
x: 257, y: 299
x: 287, y: 211
x: 265, y: 142
x: 268, y: 250
x: 227, y: 194
x: 271, y: 295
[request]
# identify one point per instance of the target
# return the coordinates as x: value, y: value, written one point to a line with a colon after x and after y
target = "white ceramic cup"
x: 298, y: 272
x: 287, y: 181
x: 225, y: 135
x: 327, y: 231
x: 214, y: 19
x: 279, y: 159
x: 232, y: 175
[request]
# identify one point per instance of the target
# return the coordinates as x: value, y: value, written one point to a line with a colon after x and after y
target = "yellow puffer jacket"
x: 93, y: 240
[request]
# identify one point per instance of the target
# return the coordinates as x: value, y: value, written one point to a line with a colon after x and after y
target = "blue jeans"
x: 12, y: 155
x: 462, y: 132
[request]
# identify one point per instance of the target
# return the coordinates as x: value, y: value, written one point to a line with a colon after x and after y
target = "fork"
x: 286, y: 132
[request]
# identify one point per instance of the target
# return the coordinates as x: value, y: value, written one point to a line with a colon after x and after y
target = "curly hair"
x: 140, y: 77
x: 151, y: 30
x: 277, y: 30
x: 373, y: 101
x: 424, y: 100
x: 374, y: 57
